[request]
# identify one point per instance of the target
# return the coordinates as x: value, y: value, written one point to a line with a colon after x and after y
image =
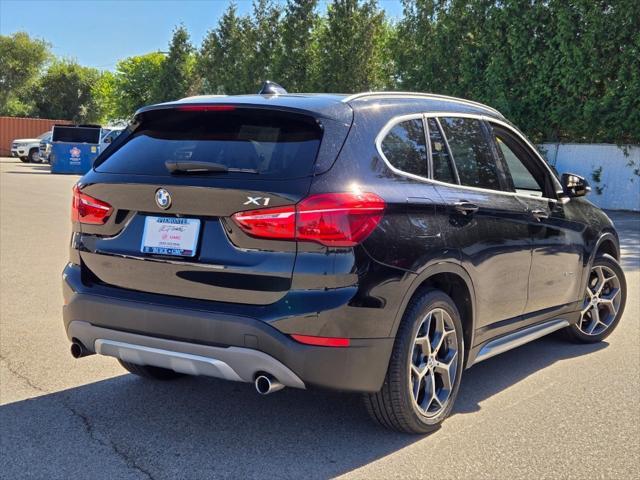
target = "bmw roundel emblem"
x: 163, y: 198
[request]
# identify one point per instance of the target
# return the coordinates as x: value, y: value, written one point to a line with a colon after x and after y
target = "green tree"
x: 264, y: 41
x: 352, y: 44
x: 105, y: 97
x: 175, y: 79
x: 134, y: 83
x: 223, y: 59
x: 293, y: 64
x: 22, y: 60
x: 65, y: 91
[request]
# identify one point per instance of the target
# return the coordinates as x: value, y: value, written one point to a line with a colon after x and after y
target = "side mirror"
x: 574, y: 185
x: 107, y: 140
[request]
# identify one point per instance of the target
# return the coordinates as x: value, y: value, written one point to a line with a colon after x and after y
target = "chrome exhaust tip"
x: 266, y: 384
x: 78, y: 350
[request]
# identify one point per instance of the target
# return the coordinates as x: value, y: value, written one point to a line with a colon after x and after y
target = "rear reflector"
x: 332, y: 219
x: 86, y: 209
x: 322, y: 341
x: 206, y: 108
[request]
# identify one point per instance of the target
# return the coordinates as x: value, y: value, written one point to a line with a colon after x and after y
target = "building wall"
x: 612, y: 171
x: 14, y: 127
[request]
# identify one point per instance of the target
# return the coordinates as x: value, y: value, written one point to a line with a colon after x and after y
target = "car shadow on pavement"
x: 205, y: 428
x: 499, y: 373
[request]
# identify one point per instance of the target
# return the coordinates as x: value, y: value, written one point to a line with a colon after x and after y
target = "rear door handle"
x: 466, y: 208
x: 539, y: 214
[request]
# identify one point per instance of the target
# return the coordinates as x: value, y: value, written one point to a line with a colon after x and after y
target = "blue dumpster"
x: 74, y: 148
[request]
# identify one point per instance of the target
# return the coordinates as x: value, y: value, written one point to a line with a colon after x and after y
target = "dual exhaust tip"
x: 264, y: 382
x: 78, y: 350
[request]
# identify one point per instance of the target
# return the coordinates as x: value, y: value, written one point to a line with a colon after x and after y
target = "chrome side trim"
x: 432, y: 96
x: 516, y: 339
x: 230, y: 363
x: 395, y: 120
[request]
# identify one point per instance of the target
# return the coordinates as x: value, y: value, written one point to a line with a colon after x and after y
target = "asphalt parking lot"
x: 546, y: 410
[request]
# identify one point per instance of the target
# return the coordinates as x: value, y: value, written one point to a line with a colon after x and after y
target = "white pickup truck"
x: 27, y: 149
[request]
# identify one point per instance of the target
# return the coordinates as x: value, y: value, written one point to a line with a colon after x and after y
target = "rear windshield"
x: 263, y: 143
x: 76, y: 134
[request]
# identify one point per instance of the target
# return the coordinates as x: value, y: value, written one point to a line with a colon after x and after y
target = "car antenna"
x: 271, y: 88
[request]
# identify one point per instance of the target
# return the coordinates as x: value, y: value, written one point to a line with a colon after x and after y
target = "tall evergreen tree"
x: 264, y: 41
x: 351, y: 47
x: 176, y: 74
x: 294, y: 61
x: 223, y: 57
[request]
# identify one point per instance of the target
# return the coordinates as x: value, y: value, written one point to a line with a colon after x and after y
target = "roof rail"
x: 433, y: 96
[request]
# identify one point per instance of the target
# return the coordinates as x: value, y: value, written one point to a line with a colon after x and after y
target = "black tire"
x: 34, y: 155
x: 573, y: 332
x: 394, y: 406
x: 24, y: 159
x: 146, y: 371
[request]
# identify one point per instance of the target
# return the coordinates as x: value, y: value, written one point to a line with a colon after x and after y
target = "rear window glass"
x: 76, y: 134
x: 405, y: 147
x: 264, y: 143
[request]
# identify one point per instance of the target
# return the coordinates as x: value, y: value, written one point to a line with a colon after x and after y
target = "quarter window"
x: 471, y: 152
x: 405, y: 147
x: 442, y: 168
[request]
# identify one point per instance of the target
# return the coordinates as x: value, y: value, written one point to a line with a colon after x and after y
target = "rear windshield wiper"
x: 202, y: 167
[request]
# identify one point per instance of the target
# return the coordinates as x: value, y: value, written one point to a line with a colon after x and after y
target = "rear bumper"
x: 246, y: 345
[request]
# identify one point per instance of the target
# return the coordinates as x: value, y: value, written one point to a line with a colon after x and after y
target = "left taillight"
x: 87, y: 209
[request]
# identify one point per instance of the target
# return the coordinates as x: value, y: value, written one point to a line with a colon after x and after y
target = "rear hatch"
x: 164, y: 193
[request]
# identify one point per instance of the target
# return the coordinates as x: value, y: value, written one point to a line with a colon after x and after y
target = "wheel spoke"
x: 438, y: 330
x: 417, y: 381
x: 432, y: 395
x: 419, y: 370
x: 595, y: 319
x: 441, y: 340
x: 444, y: 370
x: 602, y: 280
x: 424, y: 345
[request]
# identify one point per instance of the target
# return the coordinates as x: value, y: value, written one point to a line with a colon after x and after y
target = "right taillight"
x: 333, y: 219
x: 86, y: 209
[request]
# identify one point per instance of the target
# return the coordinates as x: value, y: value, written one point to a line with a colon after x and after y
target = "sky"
x: 98, y: 33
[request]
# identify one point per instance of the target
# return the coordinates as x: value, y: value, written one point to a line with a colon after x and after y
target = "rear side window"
x: 405, y: 147
x: 263, y: 143
x: 442, y: 168
x: 471, y: 152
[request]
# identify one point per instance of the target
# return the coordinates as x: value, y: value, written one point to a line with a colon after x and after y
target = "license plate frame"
x: 170, y: 236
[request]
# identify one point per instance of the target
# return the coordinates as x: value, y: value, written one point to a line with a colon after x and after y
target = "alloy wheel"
x: 434, y: 363
x: 601, y: 302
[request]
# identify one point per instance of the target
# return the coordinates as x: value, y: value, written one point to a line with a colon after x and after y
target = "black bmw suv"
x: 379, y: 243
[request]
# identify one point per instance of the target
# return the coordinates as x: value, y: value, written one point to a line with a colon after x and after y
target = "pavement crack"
x: 13, y: 370
x: 108, y: 443
x: 86, y: 422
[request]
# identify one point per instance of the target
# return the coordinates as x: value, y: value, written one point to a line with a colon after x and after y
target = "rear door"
x: 173, y: 185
